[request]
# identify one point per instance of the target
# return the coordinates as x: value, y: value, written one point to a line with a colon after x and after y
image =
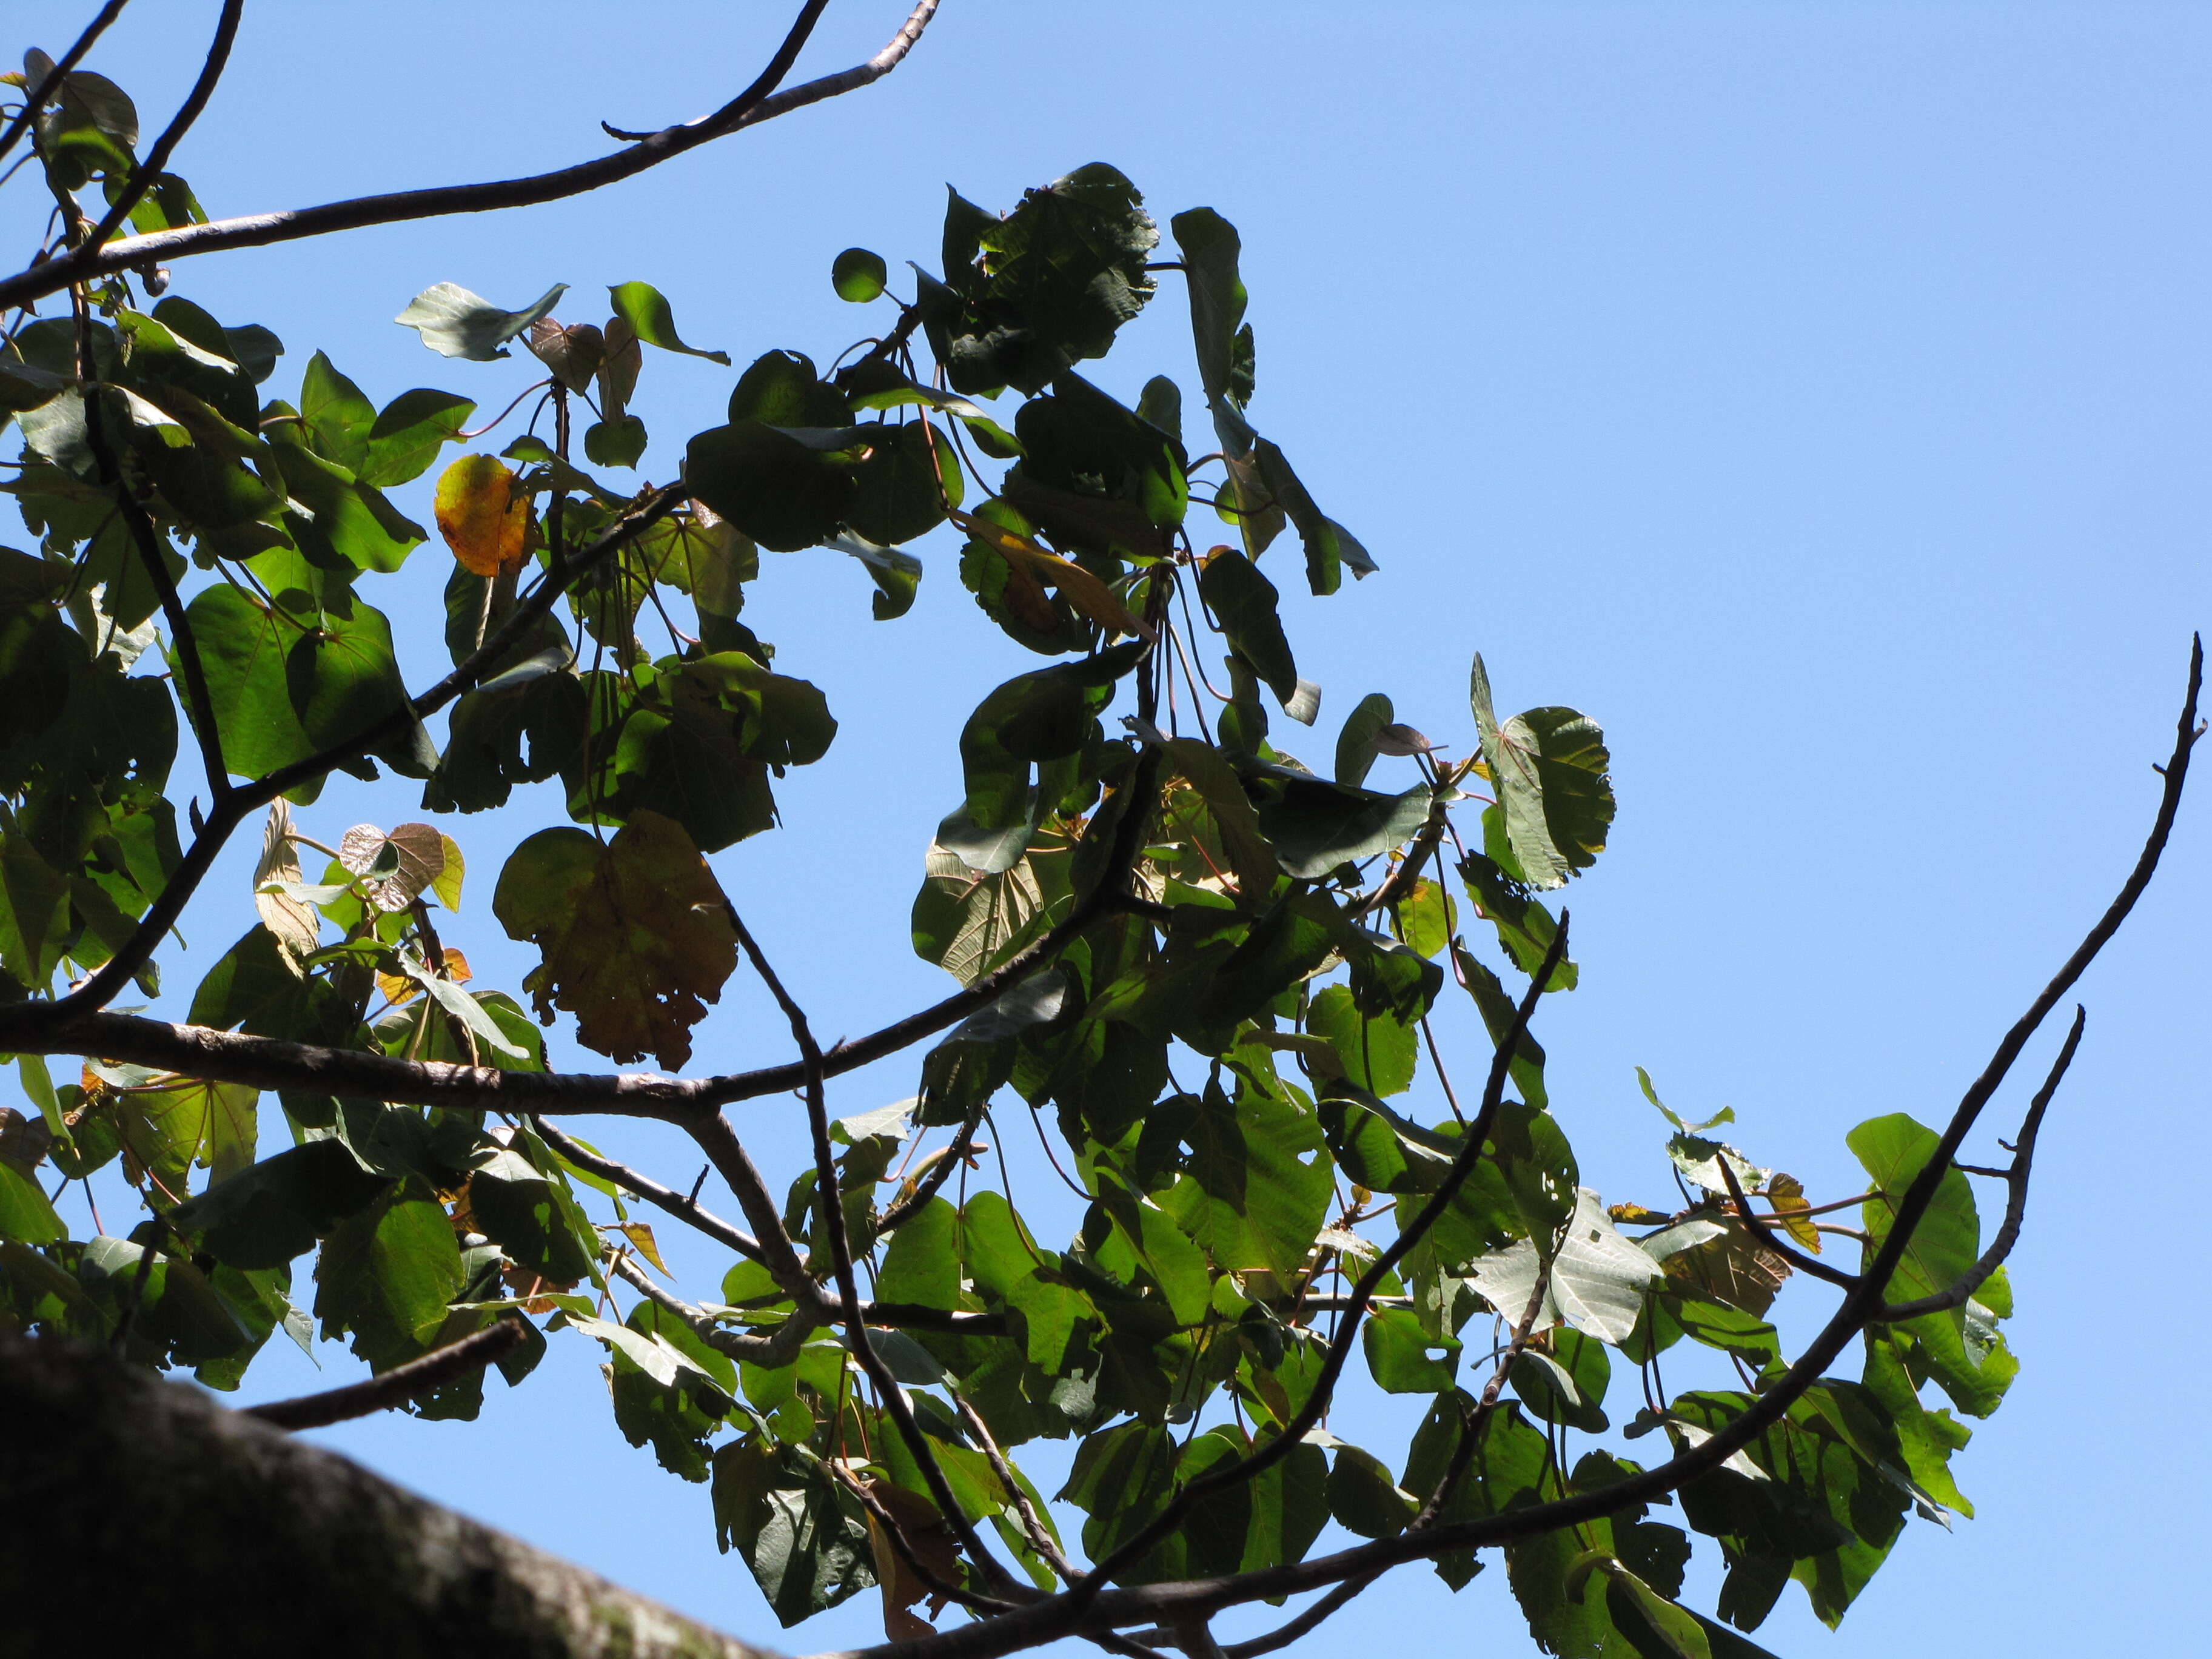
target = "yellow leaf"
x: 1089, y: 595
x: 446, y: 885
x: 1787, y: 1194
x: 396, y: 988
x: 641, y: 1235
x: 481, y: 518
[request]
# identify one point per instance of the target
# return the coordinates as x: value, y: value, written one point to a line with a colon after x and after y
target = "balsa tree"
x: 1205, y: 964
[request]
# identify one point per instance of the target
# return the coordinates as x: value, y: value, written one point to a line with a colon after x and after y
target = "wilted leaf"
x: 395, y: 868
x: 635, y: 935
x: 297, y: 927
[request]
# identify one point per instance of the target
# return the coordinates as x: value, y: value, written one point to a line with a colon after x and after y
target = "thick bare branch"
x: 759, y: 103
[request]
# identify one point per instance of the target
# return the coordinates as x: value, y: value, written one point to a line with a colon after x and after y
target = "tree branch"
x: 777, y: 1349
x: 1787, y: 1255
x: 35, y: 98
x: 748, y: 108
x: 143, y: 174
x: 832, y: 1209
x: 1308, y: 1416
x: 1174, y: 1603
x: 396, y: 1386
x: 68, y: 1026
x: 777, y: 1253
x: 684, y: 1209
x: 1957, y: 1295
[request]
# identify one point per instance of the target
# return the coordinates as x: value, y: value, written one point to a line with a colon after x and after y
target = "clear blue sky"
x: 1815, y: 393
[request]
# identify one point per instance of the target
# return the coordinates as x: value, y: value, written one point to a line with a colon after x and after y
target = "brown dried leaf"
x: 418, y: 851
x: 635, y: 936
x: 573, y: 354
x: 297, y: 926
x: 1733, y: 1268
x: 1085, y: 591
x: 927, y: 1537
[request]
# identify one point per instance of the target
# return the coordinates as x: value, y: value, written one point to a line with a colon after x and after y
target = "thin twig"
x: 758, y: 103
x: 1040, y: 1535
x: 36, y: 98
x: 146, y: 171
x: 1766, y: 1241
x: 686, y: 1210
x: 397, y: 1386
x: 771, y: 1352
x: 893, y: 1397
x: 1959, y: 1292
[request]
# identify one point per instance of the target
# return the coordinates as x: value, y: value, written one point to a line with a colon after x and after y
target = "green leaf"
x: 1328, y: 546
x: 387, y: 1274
x: 1210, y: 247
x: 456, y: 323
x: 273, y: 1211
x: 25, y: 1214
x: 774, y: 487
x: 1257, y: 1187
x: 1565, y: 1380
x: 1962, y: 1349
x: 905, y: 486
x: 243, y: 649
x: 1403, y: 1356
x: 1316, y: 825
x: 342, y: 679
x: 408, y: 433
x: 1355, y: 743
x: 523, y: 1205
x: 1036, y: 717
x: 641, y: 305
x: 858, y: 275
x: 1525, y: 927
x: 922, y: 1264
x: 1243, y: 602
x: 804, y: 1540
x: 1548, y: 767
x: 618, y: 442
x: 1362, y: 1499
x: 1065, y: 269
x: 1380, y: 1055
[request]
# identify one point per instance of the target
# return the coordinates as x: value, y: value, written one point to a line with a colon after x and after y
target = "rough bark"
x: 137, y: 1516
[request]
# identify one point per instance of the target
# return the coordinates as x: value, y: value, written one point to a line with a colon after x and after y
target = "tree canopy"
x: 1182, y: 933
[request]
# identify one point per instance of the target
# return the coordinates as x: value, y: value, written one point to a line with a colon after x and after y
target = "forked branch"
x: 758, y: 102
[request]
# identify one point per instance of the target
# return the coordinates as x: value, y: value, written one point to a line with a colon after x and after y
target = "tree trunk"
x: 137, y: 1517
